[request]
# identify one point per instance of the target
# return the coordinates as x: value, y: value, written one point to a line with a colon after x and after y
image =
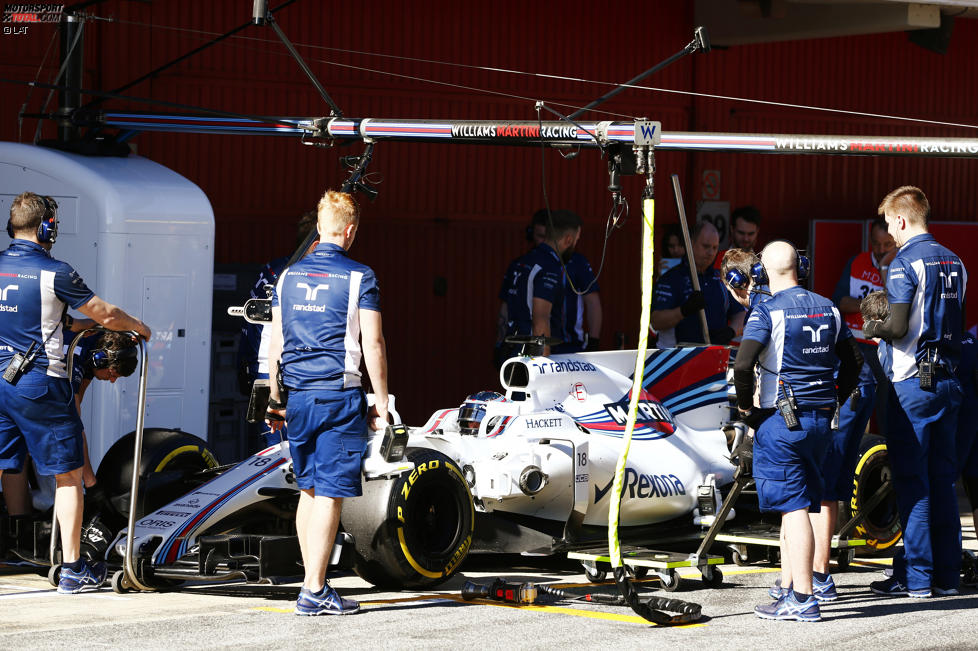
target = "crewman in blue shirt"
x: 582, y: 307
x: 925, y: 287
x: 675, y: 305
x: 535, y: 294
x: 323, y: 306
x: 797, y: 339
x: 253, y: 345
x: 37, y: 413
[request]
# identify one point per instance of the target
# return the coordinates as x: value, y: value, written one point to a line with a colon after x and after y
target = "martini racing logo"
x: 650, y: 413
x: 546, y: 132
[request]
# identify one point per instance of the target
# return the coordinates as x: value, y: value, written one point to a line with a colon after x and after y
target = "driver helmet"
x: 473, y: 410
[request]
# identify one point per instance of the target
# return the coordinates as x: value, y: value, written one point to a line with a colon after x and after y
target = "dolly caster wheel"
x: 54, y: 575
x: 640, y: 572
x: 670, y: 581
x: 593, y: 574
x: 119, y: 583
x: 740, y: 555
x: 712, y: 576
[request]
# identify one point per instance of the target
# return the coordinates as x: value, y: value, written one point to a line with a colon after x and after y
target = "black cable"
x: 170, y: 64
x: 652, y: 609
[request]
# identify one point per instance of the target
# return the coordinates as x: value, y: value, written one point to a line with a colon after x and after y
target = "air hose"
x: 650, y: 609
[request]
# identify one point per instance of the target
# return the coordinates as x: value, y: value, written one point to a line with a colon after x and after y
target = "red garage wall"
x: 456, y: 212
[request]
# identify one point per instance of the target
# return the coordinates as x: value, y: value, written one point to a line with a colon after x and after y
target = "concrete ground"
x: 33, y: 616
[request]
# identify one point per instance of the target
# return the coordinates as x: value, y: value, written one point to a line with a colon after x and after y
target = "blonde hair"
x: 336, y: 211
x: 908, y: 201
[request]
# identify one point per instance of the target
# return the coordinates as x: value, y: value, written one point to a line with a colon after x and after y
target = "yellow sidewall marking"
x: 180, y: 450
x: 410, y: 559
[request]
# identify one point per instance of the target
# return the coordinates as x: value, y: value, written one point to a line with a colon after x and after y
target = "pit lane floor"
x: 33, y: 616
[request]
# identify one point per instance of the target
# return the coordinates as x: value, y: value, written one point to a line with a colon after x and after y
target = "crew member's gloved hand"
x: 695, y: 302
x: 593, y: 344
x: 756, y: 417
x: 871, y: 328
x: 722, y: 336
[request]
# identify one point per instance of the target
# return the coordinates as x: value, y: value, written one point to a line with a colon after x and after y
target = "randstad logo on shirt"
x: 308, y: 308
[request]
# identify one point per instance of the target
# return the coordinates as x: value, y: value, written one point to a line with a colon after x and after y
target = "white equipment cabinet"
x: 142, y: 237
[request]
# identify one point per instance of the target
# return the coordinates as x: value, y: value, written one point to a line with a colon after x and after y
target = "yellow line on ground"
x: 561, y: 610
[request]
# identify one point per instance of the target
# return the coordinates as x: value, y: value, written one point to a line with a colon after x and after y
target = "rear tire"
x: 881, y: 528
x: 164, y: 450
x: 415, y: 530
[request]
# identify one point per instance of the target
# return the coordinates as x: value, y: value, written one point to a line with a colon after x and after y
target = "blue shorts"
x: 328, y: 438
x: 843, y: 447
x: 787, y: 462
x: 38, y: 416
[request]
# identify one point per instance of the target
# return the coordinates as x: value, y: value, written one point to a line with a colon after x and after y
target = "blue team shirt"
x: 253, y: 347
x: 581, y: 277
x: 538, y: 274
x: 35, y: 291
x: 321, y: 297
x: 799, y: 330
x: 672, y: 290
x: 932, y: 280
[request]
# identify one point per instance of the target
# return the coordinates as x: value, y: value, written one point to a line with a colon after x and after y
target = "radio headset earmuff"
x: 102, y: 358
x: 737, y: 279
x: 47, y: 230
x: 802, y: 267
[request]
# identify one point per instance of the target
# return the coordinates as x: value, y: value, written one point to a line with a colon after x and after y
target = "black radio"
x: 786, y: 405
x: 926, y: 372
x: 20, y: 364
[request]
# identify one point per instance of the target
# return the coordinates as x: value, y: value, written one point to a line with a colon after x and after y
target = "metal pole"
x: 694, y: 276
x: 128, y: 565
x: 69, y: 97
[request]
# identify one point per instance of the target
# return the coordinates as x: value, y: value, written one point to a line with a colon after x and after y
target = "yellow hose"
x: 648, y: 219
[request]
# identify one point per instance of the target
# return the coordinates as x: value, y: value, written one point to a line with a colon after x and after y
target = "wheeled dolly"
x: 642, y: 562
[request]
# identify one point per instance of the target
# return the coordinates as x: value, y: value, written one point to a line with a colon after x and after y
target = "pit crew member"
x: 535, y: 294
x: 536, y: 234
x: 797, y: 339
x: 106, y: 356
x: 37, y: 415
x: 582, y: 307
x: 863, y: 274
x: 745, y: 225
x: 925, y: 287
x: 675, y: 304
x: 322, y: 307
x: 253, y: 345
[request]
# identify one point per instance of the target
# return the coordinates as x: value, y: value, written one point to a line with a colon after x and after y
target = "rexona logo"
x: 650, y: 413
x: 641, y: 486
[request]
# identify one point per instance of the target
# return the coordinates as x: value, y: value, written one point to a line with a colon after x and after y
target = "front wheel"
x: 167, y: 457
x: 881, y: 527
x: 415, y: 530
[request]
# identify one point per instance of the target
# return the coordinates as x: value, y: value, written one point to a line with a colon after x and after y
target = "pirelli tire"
x: 164, y: 451
x: 412, y: 531
x: 881, y: 528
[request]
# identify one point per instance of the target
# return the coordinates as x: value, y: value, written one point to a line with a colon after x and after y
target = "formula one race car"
x: 527, y: 472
